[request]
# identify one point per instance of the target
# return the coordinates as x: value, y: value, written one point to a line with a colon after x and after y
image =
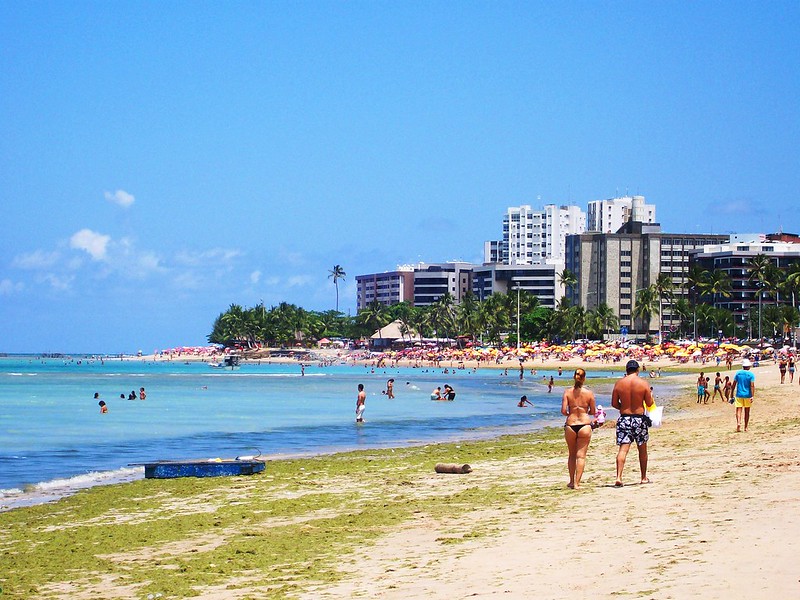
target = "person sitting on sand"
x: 577, y: 404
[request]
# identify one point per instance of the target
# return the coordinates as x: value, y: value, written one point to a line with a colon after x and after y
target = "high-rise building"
x: 747, y: 295
x: 535, y: 237
x: 540, y: 281
x: 612, y: 267
x: 420, y: 284
x: 391, y: 287
x: 432, y: 281
x: 607, y: 216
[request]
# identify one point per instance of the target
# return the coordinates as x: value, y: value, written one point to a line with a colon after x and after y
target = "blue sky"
x: 161, y: 160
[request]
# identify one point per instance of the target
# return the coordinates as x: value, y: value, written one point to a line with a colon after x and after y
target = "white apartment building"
x: 561, y: 221
x: 608, y: 216
x: 535, y: 237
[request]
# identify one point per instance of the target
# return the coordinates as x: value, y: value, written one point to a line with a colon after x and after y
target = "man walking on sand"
x: 361, y: 401
x: 630, y: 395
x: 744, y: 390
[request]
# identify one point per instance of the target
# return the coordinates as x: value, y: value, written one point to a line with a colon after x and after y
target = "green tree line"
x: 497, y: 318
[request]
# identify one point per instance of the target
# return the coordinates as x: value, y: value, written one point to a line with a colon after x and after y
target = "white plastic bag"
x: 655, y: 414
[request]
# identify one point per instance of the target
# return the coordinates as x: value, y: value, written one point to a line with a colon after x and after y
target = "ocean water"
x: 53, y: 438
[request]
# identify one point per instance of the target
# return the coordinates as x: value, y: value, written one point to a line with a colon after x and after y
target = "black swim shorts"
x: 632, y: 428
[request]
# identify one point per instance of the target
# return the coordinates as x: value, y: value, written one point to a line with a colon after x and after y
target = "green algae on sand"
x: 276, y: 532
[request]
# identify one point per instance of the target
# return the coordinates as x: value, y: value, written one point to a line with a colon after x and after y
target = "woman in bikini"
x: 577, y: 404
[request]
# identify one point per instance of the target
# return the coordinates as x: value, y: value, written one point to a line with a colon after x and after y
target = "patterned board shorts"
x: 632, y: 428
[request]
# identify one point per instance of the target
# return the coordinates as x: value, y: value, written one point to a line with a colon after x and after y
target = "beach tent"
x: 388, y: 334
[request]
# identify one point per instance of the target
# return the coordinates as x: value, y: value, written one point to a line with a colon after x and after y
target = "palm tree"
x: 568, y: 279
x: 493, y: 317
x: 759, y: 271
x: 663, y: 287
x: 337, y: 273
x: 696, y: 281
x: 606, y: 319
x: 374, y: 316
x: 684, y: 311
x: 402, y: 312
x: 443, y: 315
x: 791, y: 285
x: 773, y: 281
x: 467, y: 315
x: 647, y: 304
x: 718, y: 283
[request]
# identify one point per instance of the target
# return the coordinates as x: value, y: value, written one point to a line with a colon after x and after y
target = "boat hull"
x: 170, y: 469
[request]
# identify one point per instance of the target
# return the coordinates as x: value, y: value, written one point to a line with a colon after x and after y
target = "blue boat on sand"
x: 213, y: 467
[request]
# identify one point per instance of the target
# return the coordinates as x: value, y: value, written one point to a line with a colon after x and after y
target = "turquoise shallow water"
x: 53, y: 437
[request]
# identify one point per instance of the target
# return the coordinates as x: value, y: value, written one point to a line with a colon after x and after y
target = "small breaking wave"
x: 49, y: 491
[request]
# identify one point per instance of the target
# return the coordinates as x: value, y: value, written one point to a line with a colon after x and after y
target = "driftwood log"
x: 452, y: 468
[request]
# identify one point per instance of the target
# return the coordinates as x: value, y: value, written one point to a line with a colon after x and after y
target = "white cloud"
x: 61, y: 284
x: 298, y: 280
x: 255, y: 276
x: 188, y: 281
x: 36, y: 260
x: 215, y: 256
x: 120, y: 198
x: 291, y: 257
x: 8, y: 287
x: 95, y: 244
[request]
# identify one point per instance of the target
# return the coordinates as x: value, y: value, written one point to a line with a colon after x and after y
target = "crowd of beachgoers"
x: 684, y: 352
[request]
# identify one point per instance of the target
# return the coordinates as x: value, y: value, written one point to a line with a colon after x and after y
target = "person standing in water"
x: 361, y: 401
x: 578, y: 405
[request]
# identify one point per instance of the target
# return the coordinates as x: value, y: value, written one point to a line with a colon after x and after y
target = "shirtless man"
x: 630, y: 395
x: 360, y: 403
x: 717, y: 387
x: 577, y: 404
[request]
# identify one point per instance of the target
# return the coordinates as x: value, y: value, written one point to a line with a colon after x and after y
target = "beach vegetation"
x: 279, y: 531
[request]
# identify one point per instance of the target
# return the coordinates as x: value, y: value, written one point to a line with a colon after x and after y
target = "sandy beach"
x: 721, y: 518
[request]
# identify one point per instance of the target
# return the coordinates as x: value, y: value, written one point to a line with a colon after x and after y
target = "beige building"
x: 612, y: 267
